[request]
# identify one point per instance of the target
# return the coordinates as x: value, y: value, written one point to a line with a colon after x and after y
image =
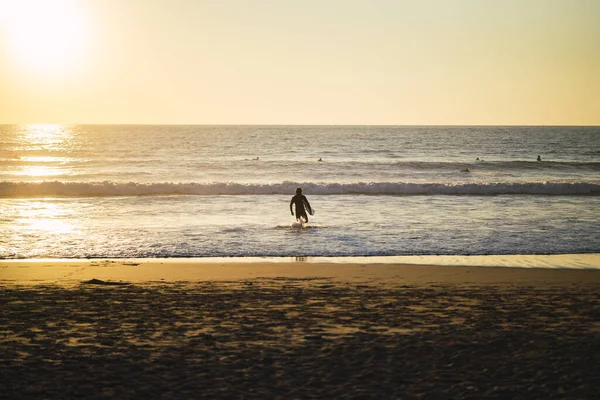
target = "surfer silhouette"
x: 302, y: 206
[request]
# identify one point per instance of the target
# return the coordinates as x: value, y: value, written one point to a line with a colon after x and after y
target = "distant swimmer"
x: 302, y: 205
x: 478, y: 159
x: 320, y: 159
x: 539, y: 158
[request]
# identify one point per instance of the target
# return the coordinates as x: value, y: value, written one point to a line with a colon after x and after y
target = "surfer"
x: 539, y: 158
x: 302, y: 205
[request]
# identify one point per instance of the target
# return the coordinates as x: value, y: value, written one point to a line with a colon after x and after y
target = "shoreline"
x: 378, y: 270
x: 589, y: 260
x: 562, y: 261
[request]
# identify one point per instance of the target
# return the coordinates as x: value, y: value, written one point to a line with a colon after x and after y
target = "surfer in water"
x: 302, y: 206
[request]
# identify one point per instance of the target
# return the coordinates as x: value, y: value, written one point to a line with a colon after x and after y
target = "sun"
x: 43, y: 36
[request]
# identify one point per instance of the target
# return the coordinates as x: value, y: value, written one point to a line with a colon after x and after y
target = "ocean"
x: 143, y: 191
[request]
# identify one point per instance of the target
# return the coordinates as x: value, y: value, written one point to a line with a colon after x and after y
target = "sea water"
x: 223, y: 191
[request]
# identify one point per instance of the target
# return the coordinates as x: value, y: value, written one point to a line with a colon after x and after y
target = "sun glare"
x: 46, y: 134
x: 36, y: 171
x: 43, y: 145
x: 43, y: 37
x: 47, y: 216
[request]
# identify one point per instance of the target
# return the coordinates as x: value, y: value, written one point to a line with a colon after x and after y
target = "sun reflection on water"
x: 45, y: 215
x: 50, y: 225
x: 49, y: 136
x: 41, y: 148
x: 44, y: 159
x: 39, y: 171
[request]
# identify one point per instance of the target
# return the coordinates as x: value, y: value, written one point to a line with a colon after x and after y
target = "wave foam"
x: 109, y: 189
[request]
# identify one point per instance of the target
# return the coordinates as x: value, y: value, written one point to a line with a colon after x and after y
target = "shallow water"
x: 160, y: 191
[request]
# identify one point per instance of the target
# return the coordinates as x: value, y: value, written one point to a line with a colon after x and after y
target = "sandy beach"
x: 180, y: 329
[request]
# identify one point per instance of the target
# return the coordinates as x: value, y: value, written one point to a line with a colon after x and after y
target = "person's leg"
x: 302, y: 216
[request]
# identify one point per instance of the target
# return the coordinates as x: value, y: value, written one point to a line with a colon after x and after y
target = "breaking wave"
x: 110, y: 189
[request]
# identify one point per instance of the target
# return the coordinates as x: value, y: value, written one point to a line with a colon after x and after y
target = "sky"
x: 363, y: 62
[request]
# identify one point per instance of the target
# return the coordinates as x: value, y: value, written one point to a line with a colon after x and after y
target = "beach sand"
x: 184, y: 329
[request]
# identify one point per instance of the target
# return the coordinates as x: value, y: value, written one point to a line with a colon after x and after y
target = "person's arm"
x: 291, y: 202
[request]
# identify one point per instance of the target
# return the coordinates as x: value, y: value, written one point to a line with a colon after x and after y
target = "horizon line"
x: 306, y: 125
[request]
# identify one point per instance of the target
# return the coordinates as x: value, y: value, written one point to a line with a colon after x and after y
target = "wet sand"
x: 127, y: 329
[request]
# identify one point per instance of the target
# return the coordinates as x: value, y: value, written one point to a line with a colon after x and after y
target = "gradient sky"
x: 443, y: 62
